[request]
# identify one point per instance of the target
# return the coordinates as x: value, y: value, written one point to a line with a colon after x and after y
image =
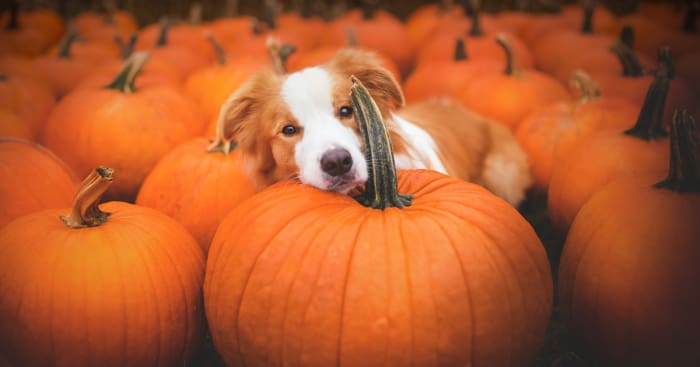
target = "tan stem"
x: 218, y: 49
x: 195, y: 15
x: 512, y: 64
x: 278, y: 53
x: 86, y: 212
x: 586, y: 86
x: 126, y: 78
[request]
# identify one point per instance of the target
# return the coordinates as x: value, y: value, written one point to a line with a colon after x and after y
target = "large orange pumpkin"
x: 297, y: 275
x: 197, y: 184
x: 32, y: 178
x: 127, y: 128
x: 87, y: 287
x: 628, y: 276
x: 602, y: 157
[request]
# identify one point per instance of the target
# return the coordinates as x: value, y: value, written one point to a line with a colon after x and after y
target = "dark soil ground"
x: 558, y: 351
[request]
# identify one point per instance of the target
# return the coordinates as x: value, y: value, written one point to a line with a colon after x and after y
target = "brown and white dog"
x: 301, y: 125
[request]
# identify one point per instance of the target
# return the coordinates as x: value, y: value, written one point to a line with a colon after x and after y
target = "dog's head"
x: 302, y: 125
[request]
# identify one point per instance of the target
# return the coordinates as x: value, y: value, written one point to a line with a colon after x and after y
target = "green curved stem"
x: 631, y: 67
x: 381, y: 189
x: 512, y: 68
x: 86, y: 212
x: 684, y: 168
x: 650, y: 124
x: 124, y: 82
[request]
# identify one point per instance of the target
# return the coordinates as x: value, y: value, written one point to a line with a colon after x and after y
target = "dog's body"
x: 301, y: 126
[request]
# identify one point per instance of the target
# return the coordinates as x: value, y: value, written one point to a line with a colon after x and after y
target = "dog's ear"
x: 364, y: 65
x: 241, y: 116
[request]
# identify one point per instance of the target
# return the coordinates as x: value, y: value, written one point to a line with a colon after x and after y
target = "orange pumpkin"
x: 422, y: 21
x: 32, y: 101
x: 511, y: 96
x: 28, y: 35
x: 14, y: 126
x: 604, y: 156
x: 32, y: 178
x: 83, y: 286
x: 539, y: 134
x: 84, y: 128
x: 439, y: 281
x: 210, y: 86
x: 628, y: 272
x: 447, y: 78
x: 197, y: 184
x: 62, y: 71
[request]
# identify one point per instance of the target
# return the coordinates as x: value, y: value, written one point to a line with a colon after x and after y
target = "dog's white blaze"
x: 308, y: 93
x: 420, y: 148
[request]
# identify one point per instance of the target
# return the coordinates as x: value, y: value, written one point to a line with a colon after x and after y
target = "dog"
x: 301, y: 125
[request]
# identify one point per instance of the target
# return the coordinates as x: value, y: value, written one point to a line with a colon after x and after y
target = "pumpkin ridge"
x: 465, y: 281
x: 296, y: 276
x: 118, y: 265
x: 409, y: 285
x: 345, y: 289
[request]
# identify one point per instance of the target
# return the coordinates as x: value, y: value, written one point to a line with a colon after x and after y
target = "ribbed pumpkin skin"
x: 196, y: 188
x: 129, y: 132
x: 125, y: 293
x: 32, y: 178
x: 628, y: 276
x: 297, y: 276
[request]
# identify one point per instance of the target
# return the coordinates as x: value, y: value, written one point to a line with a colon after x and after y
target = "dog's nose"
x: 336, y: 162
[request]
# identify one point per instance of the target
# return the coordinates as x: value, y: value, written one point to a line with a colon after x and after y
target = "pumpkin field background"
x: 612, y: 66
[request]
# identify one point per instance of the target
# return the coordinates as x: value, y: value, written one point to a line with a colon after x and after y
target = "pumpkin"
x: 32, y: 178
x: 422, y: 21
x: 84, y: 129
x: 62, y: 71
x: 479, y: 41
x: 13, y: 125
x: 108, y: 285
x: 688, y: 70
x: 509, y: 97
x: 447, y: 78
x: 448, y: 275
x: 31, y: 100
x: 210, y: 86
x: 197, y: 184
x: 609, y: 154
x: 374, y: 29
x: 628, y: 273
x: 22, y: 37
x: 539, y: 134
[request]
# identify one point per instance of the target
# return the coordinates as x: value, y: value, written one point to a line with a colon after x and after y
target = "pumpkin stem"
x: 468, y: 6
x: 218, y: 50
x: 271, y: 13
x: 66, y: 44
x: 512, y: 67
x: 256, y: 26
x: 124, y: 82
x: 86, y: 212
x: 684, y: 168
x: 650, y: 124
x: 195, y: 14
x: 460, y: 50
x: 126, y: 49
x: 230, y: 8
x: 279, y: 53
x: 631, y: 67
x: 110, y: 8
x: 586, y: 86
x: 381, y: 189
x: 163, y: 35
x: 691, y: 16
x: 627, y: 36
x: 588, y: 10
x: 351, y: 37
x: 476, y: 30
x: 368, y: 9
x: 14, y: 16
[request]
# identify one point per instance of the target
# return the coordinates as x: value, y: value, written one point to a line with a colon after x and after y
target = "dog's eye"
x: 345, y: 112
x: 289, y: 130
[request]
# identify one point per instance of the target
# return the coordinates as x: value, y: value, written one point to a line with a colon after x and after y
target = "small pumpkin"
x: 448, y: 275
x: 32, y: 178
x: 31, y: 100
x: 541, y: 132
x: 509, y: 97
x: 110, y: 285
x: 628, y: 273
x: 198, y: 183
x: 62, y: 71
x: 84, y: 129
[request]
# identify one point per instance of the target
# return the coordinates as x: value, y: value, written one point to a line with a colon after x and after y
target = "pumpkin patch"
x: 176, y: 256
